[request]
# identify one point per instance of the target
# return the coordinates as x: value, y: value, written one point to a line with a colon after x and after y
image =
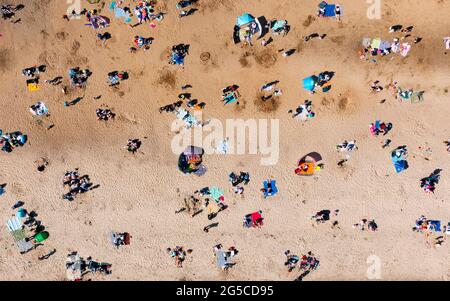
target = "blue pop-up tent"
x: 310, y: 82
x: 244, y: 19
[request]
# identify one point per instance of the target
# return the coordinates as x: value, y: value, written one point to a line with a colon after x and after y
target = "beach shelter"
x: 190, y: 161
x: 41, y: 236
x: 244, y: 19
x: 309, y: 83
x: 307, y: 165
x: 246, y: 26
x: 15, y: 227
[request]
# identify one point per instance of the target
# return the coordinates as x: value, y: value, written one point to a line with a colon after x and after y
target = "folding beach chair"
x: 16, y: 228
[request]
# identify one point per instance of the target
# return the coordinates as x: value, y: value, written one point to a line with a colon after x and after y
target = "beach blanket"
x: 279, y: 25
x: 221, y: 259
x: 385, y: 45
x: 120, y: 13
x: 15, y: 227
x: 216, y: 193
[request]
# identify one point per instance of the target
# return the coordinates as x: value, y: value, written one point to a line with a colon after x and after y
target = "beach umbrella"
x: 309, y: 83
x: 244, y: 19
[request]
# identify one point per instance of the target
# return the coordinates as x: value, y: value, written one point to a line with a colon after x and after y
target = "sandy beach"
x: 140, y: 193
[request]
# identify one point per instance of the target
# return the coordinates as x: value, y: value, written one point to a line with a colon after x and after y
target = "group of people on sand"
x: 428, y: 184
x: 366, y: 225
x: 9, y: 141
x: 79, y: 77
x: 105, y: 114
x: 8, y: 12
x: 236, y: 180
x: 77, y: 184
x: 179, y: 254
x: 133, y: 145
x: 308, y: 262
x: 303, y: 111
x: 323, y: 216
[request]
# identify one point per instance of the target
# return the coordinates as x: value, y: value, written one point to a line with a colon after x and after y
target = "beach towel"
x: 177, y: 59
x: 400, y: 165
x: 376, y: 43
x: 434, y: 225
x: 257, y: 219
x: 366, y: 42
x: 32, y: 85
x: 272, y: 186
x: 447, y: 42
x: 221, y: 259
x: 119, y: 12
x: 216, y: 193
x: 279, y: 25
x: 404, y: 49
x: 385, y: 45
x: 330, y: 10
